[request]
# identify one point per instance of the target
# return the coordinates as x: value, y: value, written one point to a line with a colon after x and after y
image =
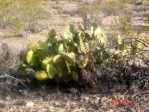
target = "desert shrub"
x: 63, y: 56
x: 79, y: 53
x: 9, y: 64
x: 14, y: 14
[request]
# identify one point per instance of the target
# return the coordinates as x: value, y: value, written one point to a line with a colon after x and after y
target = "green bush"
x: 66, y: 56
x: 63, y: 56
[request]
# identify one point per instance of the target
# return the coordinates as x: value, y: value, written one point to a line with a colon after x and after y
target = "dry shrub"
x: 9, y: 63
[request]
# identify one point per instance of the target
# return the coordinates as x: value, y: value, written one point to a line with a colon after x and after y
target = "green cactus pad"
x: 29, y: 56
x: 41, y: 75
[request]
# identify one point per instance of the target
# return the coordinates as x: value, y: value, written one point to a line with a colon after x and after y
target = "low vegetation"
x: 93, y: 11
x: 63, y: 56
x: 67, y: 56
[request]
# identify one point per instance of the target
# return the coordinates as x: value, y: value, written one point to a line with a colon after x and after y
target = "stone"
x: 29, y: 104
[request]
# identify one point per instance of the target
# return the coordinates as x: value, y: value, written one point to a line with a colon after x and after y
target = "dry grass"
x: 15, y: 14
x: 8, y: 67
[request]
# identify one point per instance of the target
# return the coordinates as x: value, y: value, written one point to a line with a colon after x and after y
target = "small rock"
x: 43, y: 87
x: 29, y: 104
x: 24, y: 92
x: 8, y: 98
x: 73, y: 90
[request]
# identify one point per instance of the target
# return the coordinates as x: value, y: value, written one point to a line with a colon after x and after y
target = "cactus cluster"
x: 65, y: 55
x: 60, y: 55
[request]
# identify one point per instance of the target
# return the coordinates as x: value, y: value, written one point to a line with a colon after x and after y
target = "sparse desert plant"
x: 94, y: 10
x: 9, y: 63
x: 14, y: 14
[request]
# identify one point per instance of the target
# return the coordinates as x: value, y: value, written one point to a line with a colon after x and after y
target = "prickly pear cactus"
x: 59, y: 55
